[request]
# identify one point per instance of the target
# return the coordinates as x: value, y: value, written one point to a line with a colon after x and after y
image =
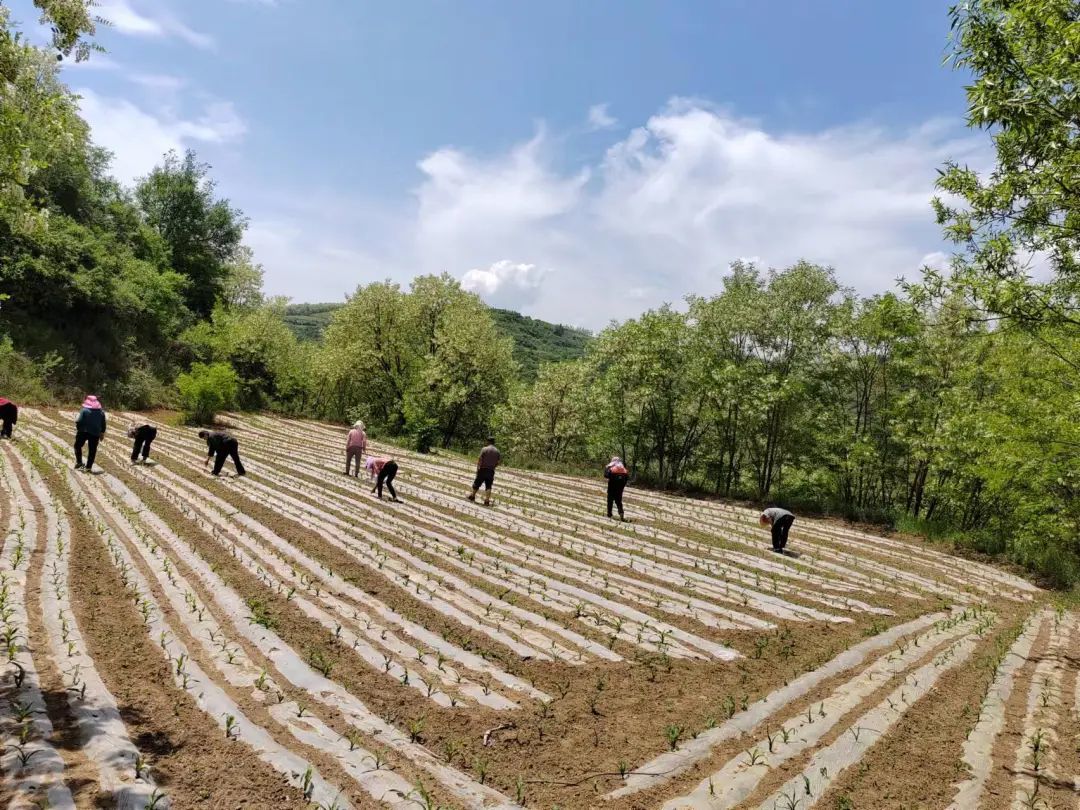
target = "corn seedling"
x: 519, y: 791
x: 480, y: 765
x: 416, y: 728
x: 673, y: 733
x: 307, y: 783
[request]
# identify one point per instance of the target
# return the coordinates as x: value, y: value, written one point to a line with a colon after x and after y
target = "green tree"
x: 206, y: 390
x: 790, y: 330
x: 465, y: 367
x: 203, y: 233
x: 38, y: 116
x: 724, y: 340
x: 255, y: 342
x: 1024, y: 58
x: 368, y: 359
x: 552, y: 419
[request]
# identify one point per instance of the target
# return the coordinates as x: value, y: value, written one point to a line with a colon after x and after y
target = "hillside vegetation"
x: 947, y: 406
x: 535, y: 341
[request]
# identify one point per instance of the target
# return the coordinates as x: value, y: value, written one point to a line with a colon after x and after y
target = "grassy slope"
x: 535, y: 341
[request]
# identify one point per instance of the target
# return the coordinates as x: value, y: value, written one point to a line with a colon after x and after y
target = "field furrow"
x: 105, y: 740
x: 164, y: 556
x: 351, y: 652
x: 33, y: 768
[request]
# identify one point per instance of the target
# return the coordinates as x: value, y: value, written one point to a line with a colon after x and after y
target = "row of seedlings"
x: 916, y: 660
x: 136, y: 555
x: 368, y: 768
x: 33, y: 768
x: 120, y: 766
x: 978, y: 748
x: 668, y: 765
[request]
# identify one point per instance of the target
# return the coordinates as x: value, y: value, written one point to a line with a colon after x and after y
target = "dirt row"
x: 797, y: 717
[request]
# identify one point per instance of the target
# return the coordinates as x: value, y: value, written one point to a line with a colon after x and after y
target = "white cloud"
x: 138, y: 137
x: 507, y: 284
x: 96, y: 62
x: 599, y: 118
x: 158, y: 23
x: 465, y: 202
x: 159, y: 82
x: 936, y: 260
x: 662, y: 212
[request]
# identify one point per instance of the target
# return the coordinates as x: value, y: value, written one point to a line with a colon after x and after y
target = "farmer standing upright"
x: 355, y: 446
x: 490, y: 457
x: 221, y: 446
x: 89, y: 430
x: 780, y: 520
x: 617, y: 475
x: 9, y: 415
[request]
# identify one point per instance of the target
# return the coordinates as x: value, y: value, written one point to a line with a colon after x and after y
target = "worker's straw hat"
x: 358, y: 424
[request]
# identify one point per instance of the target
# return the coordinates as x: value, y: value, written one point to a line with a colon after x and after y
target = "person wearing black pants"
x: 9, y: 415
x: 780, y: 521
x: 617, y: 475
x: 490, y: 458
x: 144, y: 436
x: 387, y: 473
x: 221, y: 446
x: 90, y: 428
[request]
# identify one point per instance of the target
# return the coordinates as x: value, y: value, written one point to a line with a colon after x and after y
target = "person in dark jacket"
x: 617, y: 475
x: 89, y: 430
x: 221, y: 446
x: 780, y: 521
x: 143, y: 435
x: 9, y: 415
x: 490, y: 458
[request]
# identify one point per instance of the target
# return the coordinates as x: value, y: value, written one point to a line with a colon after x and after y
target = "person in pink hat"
x: 89, y: 430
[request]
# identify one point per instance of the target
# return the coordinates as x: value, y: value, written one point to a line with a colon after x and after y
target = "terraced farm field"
x: 287, y: 640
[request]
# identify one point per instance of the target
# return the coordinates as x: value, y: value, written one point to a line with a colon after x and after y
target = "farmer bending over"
x: 485, y: 471
x: 780, y: 520
x: 221, y: 446
x: 386, y: 470
x: 143, y: 435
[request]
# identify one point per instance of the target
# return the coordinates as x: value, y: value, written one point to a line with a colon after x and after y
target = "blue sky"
x: 580, y: 161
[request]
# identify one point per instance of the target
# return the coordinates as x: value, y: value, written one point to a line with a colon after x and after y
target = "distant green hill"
x: 535, y: 341
x: 309, y: 320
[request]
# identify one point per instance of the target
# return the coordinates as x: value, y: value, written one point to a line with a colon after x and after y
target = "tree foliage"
x: 102, y: 278
x: 425, y: 359
x: 207, y: 389
x: 1024, y: 58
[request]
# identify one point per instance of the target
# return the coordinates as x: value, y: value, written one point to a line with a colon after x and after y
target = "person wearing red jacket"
x: 617, y: 475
